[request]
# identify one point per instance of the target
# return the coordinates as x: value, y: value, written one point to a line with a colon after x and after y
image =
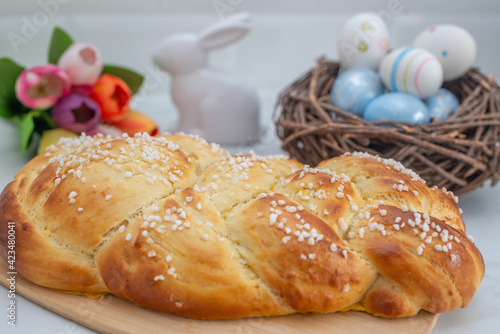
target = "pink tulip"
x: 83, y: 64
x: 41, y: 86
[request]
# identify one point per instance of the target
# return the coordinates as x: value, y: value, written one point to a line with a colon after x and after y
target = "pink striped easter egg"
x: 411, y: 70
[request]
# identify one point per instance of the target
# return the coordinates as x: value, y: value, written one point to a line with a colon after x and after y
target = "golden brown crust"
x: 300, y: 263
x: 39, y: 258
x: 196, y: 273
x: 177, y: 225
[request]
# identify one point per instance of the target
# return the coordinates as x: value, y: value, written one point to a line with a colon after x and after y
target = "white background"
x: 286, y: 38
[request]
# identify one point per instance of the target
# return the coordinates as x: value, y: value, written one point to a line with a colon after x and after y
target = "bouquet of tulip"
x: 75, y: 93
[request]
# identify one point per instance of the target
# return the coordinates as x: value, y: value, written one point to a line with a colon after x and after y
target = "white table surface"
x: 481, y: 214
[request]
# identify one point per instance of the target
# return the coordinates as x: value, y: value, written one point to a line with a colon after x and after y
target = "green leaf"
x: 9, y: 71
x: 26, y: 126
x: 59, y: 42
x: 132, y: 79
x: 47, y: 118
x: 43, y: 120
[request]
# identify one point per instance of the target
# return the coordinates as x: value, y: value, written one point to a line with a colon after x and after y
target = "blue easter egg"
x: 397, y: 107
x: 355, y: 88
x: 442, y: 104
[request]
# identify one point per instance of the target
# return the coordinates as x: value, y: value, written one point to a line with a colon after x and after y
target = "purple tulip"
x: 77, y: 113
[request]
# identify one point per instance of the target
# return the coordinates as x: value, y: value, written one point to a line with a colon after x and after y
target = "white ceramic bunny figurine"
x: 219, y: 107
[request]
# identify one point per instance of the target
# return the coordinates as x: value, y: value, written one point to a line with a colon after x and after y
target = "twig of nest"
x: 459, y: 153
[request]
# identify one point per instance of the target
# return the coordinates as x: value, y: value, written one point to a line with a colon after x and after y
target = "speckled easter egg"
x: 453, y: 46
x: 363, y: 41
x: 355, y: 88
x: 442, y: 104
x: 397, y: 107
x: 411, y: 70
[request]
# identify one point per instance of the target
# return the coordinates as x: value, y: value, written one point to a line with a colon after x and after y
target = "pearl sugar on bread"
x: 175, y: 224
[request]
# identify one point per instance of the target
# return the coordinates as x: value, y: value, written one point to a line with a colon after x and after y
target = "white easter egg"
x: 452, y: 45
x: 411, y: 70
x: 363, y: 41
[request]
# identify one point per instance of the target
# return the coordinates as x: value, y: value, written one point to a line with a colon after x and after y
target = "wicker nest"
x: 459, y: 153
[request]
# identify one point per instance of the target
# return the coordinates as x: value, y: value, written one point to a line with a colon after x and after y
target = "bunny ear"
x: 225, y: 32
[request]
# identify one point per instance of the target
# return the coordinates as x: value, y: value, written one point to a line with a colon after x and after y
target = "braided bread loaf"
x: 177, y: 225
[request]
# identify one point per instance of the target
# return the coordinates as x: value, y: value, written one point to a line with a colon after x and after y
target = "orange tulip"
x: 137, y: 122
x: 113, y: 96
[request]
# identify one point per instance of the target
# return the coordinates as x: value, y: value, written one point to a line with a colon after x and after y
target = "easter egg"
x: 442, y: 104
x: 411, y: 70
x: 363, y: 41
x: 397, y: 107
x: 452, y: 45
x: 355, y: 88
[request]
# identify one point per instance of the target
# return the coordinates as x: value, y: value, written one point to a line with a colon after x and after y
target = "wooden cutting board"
x: 114, y: 315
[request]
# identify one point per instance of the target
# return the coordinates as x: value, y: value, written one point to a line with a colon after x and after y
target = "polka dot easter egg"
x: 453, y: 46
x: 363, y: 41
x: 411, y: 70
x: 355, y: 88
